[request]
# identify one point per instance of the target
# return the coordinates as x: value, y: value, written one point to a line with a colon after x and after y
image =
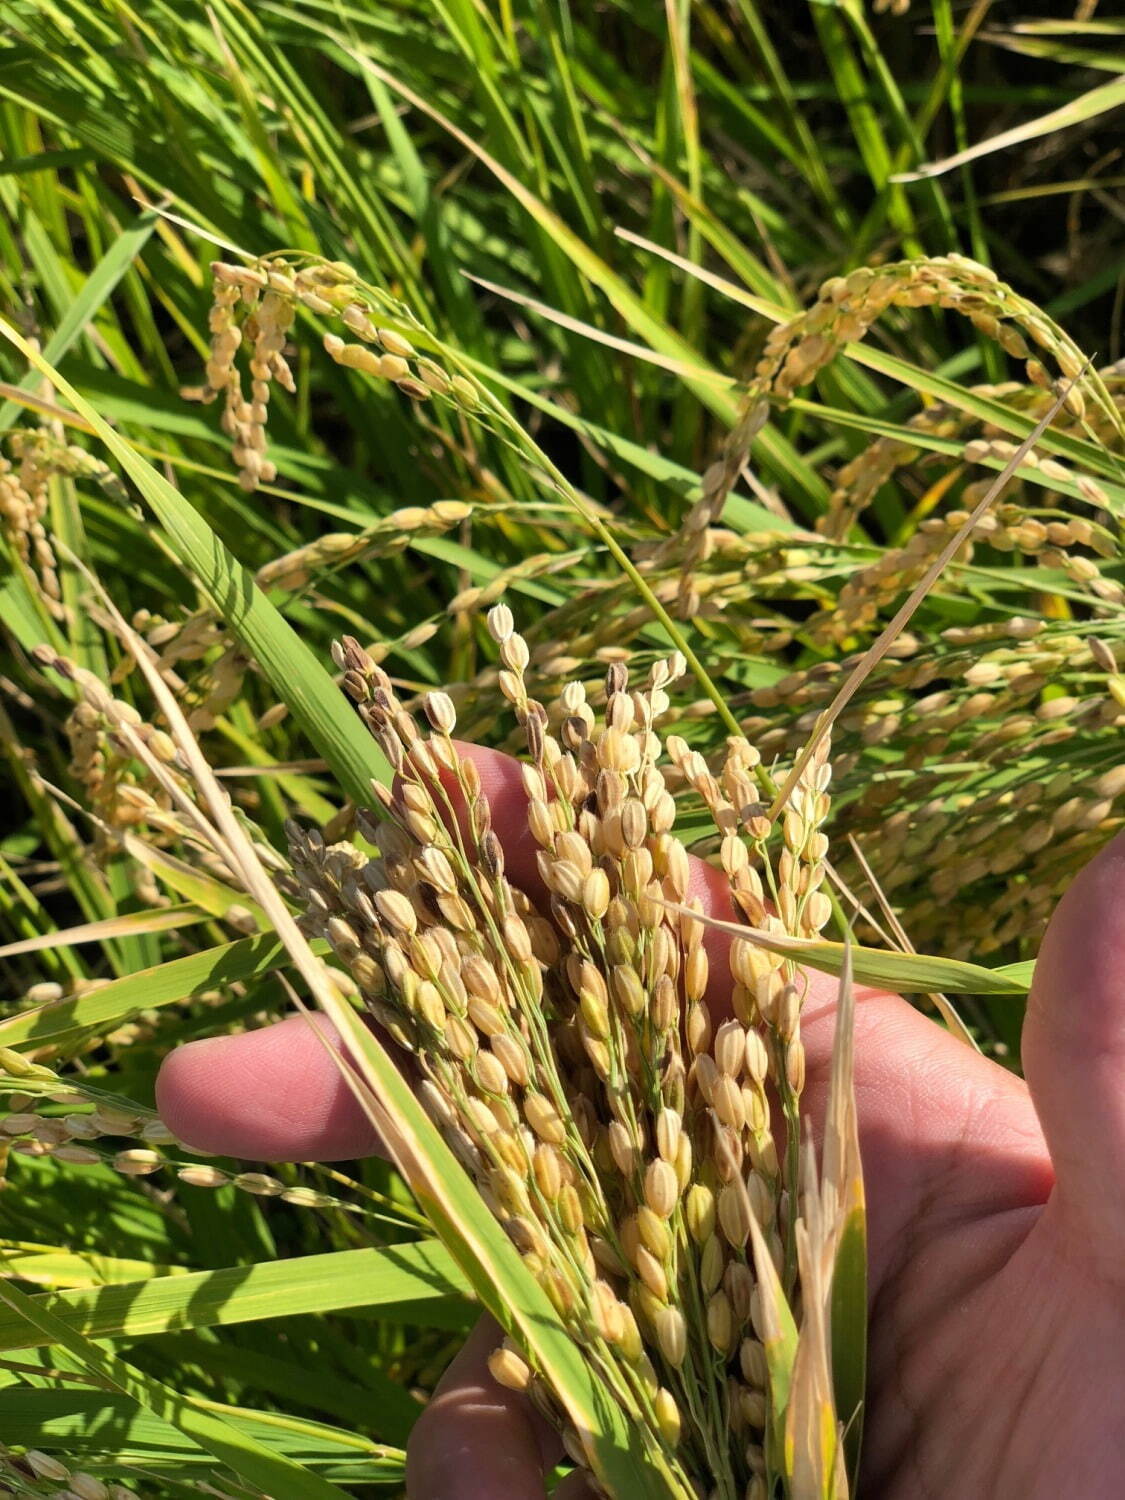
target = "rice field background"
x: 701, y: 329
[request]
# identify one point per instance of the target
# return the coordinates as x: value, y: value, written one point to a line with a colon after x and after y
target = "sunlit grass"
x: 614, y: 226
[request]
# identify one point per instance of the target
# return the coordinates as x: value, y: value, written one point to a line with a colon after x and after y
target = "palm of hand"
x: 997, y: 1361
x: 997, y: 1365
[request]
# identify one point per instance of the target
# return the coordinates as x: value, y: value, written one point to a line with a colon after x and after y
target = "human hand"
x: 996, y: 1217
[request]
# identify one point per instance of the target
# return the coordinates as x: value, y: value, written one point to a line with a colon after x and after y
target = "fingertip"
x: 269, y: 1095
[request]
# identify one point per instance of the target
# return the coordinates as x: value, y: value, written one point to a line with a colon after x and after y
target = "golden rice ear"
x: 253, y: 308
x: 564, y: 1076
x: 1077, y: 368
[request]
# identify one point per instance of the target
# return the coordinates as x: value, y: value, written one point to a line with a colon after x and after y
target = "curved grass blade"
x: 65, y: 1020
x: 101, y: 1426
x: 54, y: 1269
x: 1096, y: 101
x: 97, y: 287
x: 128, y: 925
x: 196, y: 886
x: 779, y: 1341
x: 901, y: 973
x: 337, y: 1281
x: 230, y: 1445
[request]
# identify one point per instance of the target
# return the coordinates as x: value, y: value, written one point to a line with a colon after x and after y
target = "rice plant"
x: 338, y: 341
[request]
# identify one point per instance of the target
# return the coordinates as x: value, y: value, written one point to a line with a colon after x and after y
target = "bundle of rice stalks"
x: 640, y: 1146
x: 971, y: 747
x: 622, y: 1085
x: 622, y: 1082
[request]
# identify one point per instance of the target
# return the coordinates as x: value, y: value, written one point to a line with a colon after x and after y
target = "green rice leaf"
x: 64, y: 1020
x: 779, y: 1340
x: 230, y: 1444
x: 1097, y: 101
x: 97, y: 287
x: 338, y: 1281
x: 169, y: 918
x: 202, y: 890
x: 901, y: 973
x: 49, y: 1267
x: 99, y: 1425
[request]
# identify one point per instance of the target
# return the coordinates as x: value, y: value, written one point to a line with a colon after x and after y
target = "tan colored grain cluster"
x: 618, y: 1125
x: 131, y: 771
x: 252, y: 312
x: 31, y: 1473
x: 33, y: 458
x: 843, y: 313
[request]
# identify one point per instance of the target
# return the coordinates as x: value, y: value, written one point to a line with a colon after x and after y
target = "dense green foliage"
x: 599, y: 212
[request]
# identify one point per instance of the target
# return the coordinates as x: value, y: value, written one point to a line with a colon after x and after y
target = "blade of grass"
x: 47, y: 1266
x: 779, y: 1341
x: 82, y: 1422
x: 338, y: 1281
x: 901, y: 973
x: 230, y: 1445
x: 1097, y: 101
x: 940, y: 1002
x: 98, y: 286
x: 127, y: 925
x: 63, y: 1021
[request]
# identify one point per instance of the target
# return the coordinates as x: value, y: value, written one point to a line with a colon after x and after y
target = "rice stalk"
x: 621, y: 1136
x: 743, y: 584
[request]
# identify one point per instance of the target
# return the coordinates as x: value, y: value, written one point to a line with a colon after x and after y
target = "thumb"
x: 1074, y: 1051
x: 477, y: 1440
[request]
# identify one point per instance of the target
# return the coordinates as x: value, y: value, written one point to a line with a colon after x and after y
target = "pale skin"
x: 996, y: 1217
